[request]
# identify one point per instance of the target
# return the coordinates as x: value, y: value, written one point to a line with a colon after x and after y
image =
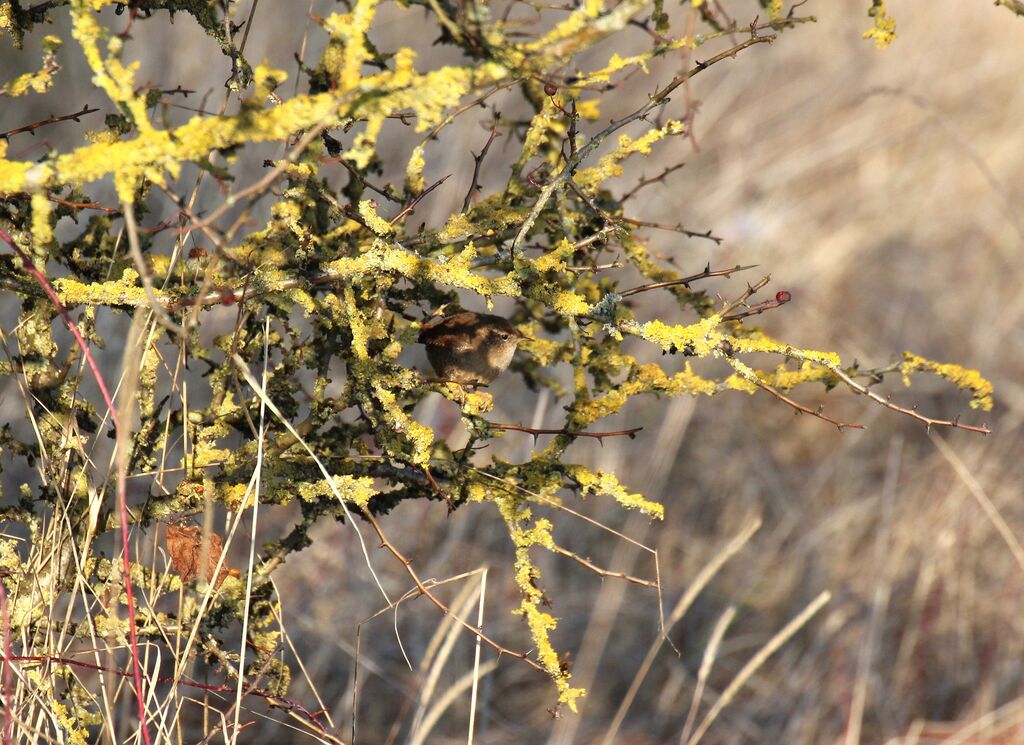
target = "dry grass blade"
x: 255, y: 490
x: 47, y: 288
x: 978, y: 492
x: 477, y: 674
x: 699, y: 583
x: 755, y: 662
x: 710, y: 653
x: 451, y: 695
x: 443, y: 642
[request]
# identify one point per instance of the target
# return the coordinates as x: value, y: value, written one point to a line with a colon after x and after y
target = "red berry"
x: 550, y: 89
x: 783, y: 296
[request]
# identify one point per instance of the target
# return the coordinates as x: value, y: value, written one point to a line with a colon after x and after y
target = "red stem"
x: 266, y: 695
x: 122, y: 505
x: 8, y: 698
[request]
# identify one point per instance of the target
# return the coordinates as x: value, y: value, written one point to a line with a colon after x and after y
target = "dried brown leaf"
x: 185, y: 546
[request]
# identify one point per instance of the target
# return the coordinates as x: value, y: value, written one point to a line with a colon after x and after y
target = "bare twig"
x: 384, y: 191
x: 742, y: 299
x: 595, y: 268
x: 677, y: 228
x: 800, y: 408
x: 407, y: 210
x: 644, y: 181
x: 630, y: 433
x: 84, y: 205
x: 466, y: 107
x: 437, y: 488
x: 478, y: 161
x: 387, y: 544
x: 911, y: 412
x: 685, y: 281
x: 602, y: 572
x: 52, y: 119
x: 781, y: 298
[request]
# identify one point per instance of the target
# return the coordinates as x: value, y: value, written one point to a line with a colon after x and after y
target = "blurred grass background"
x: 883, y: 189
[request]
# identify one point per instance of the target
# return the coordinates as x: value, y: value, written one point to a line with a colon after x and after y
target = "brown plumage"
x: 470, y: 348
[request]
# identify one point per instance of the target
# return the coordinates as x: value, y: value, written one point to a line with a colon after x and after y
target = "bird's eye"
x: 503, y: 335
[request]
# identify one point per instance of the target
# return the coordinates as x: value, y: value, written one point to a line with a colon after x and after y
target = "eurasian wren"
x: 470, y: 348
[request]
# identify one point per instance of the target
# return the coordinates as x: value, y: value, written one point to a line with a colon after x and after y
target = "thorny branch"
x: 912, y: 412
x: 478, y: 161
x: 801, y: 409
x: 660, y: 97
x: 52, y: 119
x: 599, y: 436
x: 685, y: 281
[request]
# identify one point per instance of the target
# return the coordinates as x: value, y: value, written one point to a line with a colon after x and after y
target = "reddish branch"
x: 685, y: 281
x: 407, y: 210
x: 912, y: 412
x: 742, y: 299
x: 801, y: 409
x: 30, y: 267
x: 644, y: 181
x: 8, y: 696
x: 677, y: 228
x: 160, y: 226
x: 224, y: 688
x: 84, y: 205
x: 781, y: 298
x: 599, y: 436
x: 49, y: 120
x: 438, y: 489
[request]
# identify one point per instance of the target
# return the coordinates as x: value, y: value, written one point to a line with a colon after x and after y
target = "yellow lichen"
x: 376, y: 223
x: 883, y: 32
x: 968, y: 380
x: 605, y: 484
x: 702, y: 339
x: 570, y: 304
x: 122, y: 292
x: 457, y: 227
x: 414, y: 183
x: 40, y: 81
x: 355, y: 490
x: 42, y: 229
x: 611, y: 164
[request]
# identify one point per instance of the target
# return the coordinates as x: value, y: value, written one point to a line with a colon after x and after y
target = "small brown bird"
x: 470, y: 348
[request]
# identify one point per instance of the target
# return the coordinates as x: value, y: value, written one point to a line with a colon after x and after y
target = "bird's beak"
x: 522, y: 336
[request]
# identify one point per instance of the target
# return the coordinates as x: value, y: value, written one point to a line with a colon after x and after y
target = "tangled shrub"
x: 343, y: 275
